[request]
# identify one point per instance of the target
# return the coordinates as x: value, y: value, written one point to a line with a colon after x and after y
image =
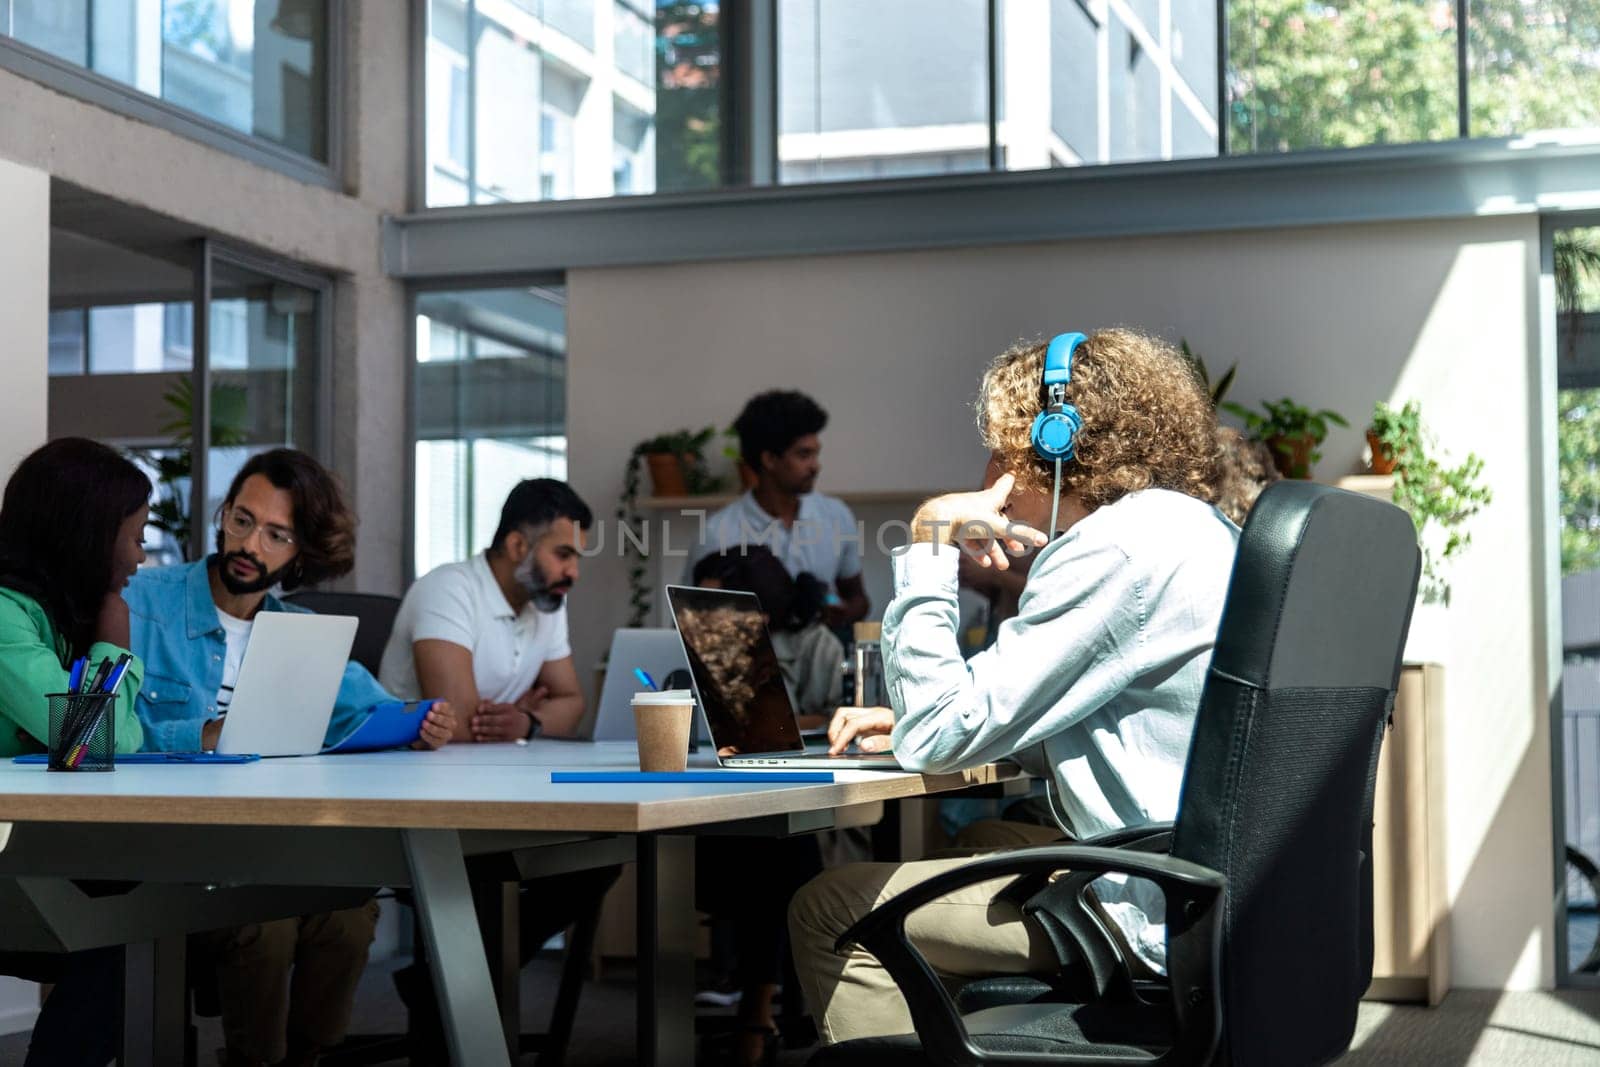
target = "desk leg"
x: 455, y: 948
x: 666, y: 949
x: 500, y: 912
x: 153, y: 1001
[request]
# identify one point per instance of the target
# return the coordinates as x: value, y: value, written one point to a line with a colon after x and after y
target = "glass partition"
x: 490, y: 388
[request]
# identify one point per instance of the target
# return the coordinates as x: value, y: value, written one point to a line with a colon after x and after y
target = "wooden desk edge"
x: 598, y: 817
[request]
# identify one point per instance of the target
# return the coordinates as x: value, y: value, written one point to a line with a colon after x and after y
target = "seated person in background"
x: 489, y: 635
x: 284, y: 523
x: 804, y: 529
x: 1094, y: 684
x: 809, y: 655
x: 71, y: 533
x: 1244, y: 469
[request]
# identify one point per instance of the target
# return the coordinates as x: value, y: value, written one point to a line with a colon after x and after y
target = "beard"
x: 263, y: 580
x: 545, y: 595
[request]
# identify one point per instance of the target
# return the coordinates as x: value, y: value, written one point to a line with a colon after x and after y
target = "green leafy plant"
x: 174, y: 466
x: 1432, y: 493
x: 1218, y: 389
x: 689, y: 446
x: 1291, y: 430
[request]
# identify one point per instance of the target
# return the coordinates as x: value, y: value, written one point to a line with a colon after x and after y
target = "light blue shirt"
x: 1094, y: 684
x: 824, y: 541
x: 177, y: 632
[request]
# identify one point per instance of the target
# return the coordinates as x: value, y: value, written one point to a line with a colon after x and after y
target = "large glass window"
x: 256, y: 66
x: 1534, y: 65
x: 490, y: 411
x: 558, y: 99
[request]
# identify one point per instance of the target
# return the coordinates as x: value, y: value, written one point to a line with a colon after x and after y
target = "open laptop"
x: 656, y: 651
x: 736, y: 679
x: 287, y: 685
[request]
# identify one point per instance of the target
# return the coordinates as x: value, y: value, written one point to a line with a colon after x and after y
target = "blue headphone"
x: 1056, y: 429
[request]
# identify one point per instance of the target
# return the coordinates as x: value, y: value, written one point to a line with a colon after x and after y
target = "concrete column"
x: 24, y: 310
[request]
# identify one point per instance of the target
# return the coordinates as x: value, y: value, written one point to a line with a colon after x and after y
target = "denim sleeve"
x: 359, y: 693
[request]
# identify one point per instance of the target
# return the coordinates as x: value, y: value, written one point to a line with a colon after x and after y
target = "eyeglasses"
x: 238, y: 524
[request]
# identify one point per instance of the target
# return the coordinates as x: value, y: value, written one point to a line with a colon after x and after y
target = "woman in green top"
x: 71, y: 529
x: 71, y: 535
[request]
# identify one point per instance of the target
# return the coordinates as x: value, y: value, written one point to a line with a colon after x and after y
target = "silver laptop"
x: 658, y: 652
x: 283, y: 699
x: 739, y: 687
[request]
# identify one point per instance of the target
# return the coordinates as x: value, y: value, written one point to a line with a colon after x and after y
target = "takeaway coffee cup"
x: 662, y: 720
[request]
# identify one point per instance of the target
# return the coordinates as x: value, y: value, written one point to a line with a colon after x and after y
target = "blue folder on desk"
x: 715, y: 777
x: 394, y: 724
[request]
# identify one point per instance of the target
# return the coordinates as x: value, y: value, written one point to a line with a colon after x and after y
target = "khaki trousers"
x: 968, y: 934
x: 288, y: 985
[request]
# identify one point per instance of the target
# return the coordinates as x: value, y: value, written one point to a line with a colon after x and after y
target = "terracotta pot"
x: 1382, y: 458
x: 666, y: 474
x: 1292, y: 455
x: 747, y: 477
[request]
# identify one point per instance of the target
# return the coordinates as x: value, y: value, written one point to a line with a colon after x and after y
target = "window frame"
x: 91, y: 87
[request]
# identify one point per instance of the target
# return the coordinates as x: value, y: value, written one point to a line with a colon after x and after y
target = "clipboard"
x: 392, y: 724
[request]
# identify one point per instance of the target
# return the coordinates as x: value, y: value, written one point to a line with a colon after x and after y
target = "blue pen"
x: 116, y: 674
x: 75, y: 679
x: 645, y: 679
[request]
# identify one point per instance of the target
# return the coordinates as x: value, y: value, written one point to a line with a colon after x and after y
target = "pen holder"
x: 82, y: 731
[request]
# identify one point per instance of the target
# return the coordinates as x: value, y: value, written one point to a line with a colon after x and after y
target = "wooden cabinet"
x: 1410, y: 915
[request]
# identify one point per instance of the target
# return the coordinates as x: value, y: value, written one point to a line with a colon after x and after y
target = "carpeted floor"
x: 1470, y: 1029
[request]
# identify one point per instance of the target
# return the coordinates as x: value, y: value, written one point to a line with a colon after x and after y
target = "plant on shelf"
x: 173, y: 463
x: 1433, y: 494
x: 732, y: 453
x: 677, y: 468
x: 1290, y: 430
x: 1198, y: 365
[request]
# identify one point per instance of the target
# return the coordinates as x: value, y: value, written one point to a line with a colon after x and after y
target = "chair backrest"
x: 375, y: 613
x: 1277, y: 794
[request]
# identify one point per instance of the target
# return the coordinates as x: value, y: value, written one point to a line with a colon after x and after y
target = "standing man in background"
x: 807, y: 531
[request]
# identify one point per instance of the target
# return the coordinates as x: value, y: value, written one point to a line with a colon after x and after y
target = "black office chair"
x: 1268, y: 883
x: 375, y: 613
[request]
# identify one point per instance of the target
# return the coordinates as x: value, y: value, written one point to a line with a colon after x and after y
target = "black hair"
x: 539, y: 502
x: 791, y: 603
x: 58, y: 530
x: 324, y: 525
x: 773, y: 421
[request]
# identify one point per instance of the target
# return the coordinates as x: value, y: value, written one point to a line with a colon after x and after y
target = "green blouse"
x: 31, y: 653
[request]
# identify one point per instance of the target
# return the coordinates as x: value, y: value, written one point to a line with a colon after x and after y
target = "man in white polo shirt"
x: 491, y: 631
x: 808, y: 531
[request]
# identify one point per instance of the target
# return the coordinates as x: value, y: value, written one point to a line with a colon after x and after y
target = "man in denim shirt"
x: 284, y: 523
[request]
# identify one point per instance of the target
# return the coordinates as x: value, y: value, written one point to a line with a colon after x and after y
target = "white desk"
x: 211, y: 836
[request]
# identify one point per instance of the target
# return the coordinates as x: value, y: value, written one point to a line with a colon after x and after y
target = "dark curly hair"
x: 324, y: 525
x: 1147, y: 420
x: 790, y: 603
x: 772, y: 421
x: 58, y: 530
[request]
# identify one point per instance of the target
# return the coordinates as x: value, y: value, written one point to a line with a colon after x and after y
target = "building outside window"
x: 490, y: 411
x: 256, y: 66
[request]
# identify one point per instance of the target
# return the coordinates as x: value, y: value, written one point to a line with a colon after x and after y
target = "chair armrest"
x: 1066, y: 911
x: 1192, y: 893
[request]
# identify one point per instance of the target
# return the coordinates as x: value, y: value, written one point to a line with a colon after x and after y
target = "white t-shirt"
x: 237, y: 631
x: 824, y: 541
x: 463, y: 604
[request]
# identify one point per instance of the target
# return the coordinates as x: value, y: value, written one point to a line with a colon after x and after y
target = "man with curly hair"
x: 1094, y: 685
x: 284, y: 523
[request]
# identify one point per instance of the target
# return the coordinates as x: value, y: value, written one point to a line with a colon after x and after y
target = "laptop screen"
x: 735, y: 670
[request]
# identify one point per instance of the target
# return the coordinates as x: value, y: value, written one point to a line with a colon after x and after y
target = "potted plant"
x: 1292, y: 431
x: 1198, y: 365
x: 677, y: 467
x: 1439, y: 498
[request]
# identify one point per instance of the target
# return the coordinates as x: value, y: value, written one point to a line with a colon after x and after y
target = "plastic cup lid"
x: 665, y: 696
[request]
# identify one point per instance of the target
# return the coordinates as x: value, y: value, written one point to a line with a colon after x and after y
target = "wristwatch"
x: 533, y: 724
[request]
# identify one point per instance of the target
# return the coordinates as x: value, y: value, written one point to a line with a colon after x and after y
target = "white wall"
x: 24, y: 281
x: 893, y: 345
